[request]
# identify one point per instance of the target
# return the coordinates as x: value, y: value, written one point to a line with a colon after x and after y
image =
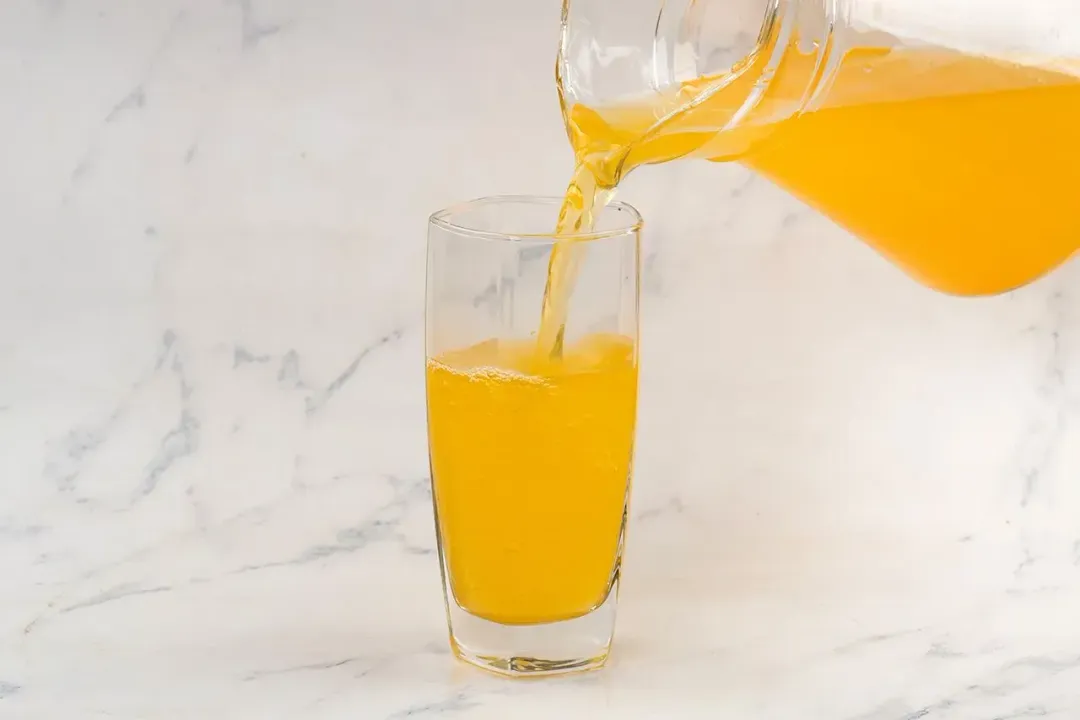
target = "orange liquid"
x: 530, y: 466
x: 969, y: 192
x: 961, y: 170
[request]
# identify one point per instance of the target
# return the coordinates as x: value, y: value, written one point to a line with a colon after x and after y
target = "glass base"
x: 569, y: 646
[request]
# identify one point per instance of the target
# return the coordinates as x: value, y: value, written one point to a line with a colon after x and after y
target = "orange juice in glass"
x: 530, y: 450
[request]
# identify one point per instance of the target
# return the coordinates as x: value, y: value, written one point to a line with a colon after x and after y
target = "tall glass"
x: 530, y: 453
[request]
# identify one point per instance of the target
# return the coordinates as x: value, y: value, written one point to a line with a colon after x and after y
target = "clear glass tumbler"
x: 530, y: 453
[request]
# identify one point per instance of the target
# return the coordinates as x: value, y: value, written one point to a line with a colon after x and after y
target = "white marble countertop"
x: 855, y: 499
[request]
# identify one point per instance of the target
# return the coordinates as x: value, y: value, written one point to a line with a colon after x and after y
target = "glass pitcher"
x: 945, y: 133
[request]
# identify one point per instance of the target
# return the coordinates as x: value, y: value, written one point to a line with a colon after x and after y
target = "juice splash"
x: 530, y: 460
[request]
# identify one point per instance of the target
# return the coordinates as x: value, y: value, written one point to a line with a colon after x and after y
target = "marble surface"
x: 855, y: 499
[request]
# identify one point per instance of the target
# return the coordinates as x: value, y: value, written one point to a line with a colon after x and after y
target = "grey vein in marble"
x: 383, y: 525
x: 66, y: 456
x: 861, y: 643
x: 1002, y: 684
x: 444, y: 708
x: 243, y: 356
x: 319, y: 399
x: 1042, y: 440
x: 178, y: 443
x: 69, y: 453
x: 289, y: 372
x: 113, y: 594
x: 133, y: 100
x: 252, y: 32
x: 309, y: 667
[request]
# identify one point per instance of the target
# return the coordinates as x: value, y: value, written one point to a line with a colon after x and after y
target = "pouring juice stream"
x: 960, y: 166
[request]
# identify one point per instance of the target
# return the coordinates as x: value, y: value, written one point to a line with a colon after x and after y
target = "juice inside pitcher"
x: 967, y: 187
x: 963, y: 170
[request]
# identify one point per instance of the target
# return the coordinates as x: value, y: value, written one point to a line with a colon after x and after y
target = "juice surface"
x: 530, y: 465
x: 961, y: 170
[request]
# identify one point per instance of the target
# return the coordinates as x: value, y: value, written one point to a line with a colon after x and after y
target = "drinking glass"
x: 530, y: 450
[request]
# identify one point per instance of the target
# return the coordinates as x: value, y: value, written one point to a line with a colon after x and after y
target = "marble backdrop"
x: 854, y: 499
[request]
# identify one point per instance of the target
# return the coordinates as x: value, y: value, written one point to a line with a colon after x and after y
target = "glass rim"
x: 443, y: 219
